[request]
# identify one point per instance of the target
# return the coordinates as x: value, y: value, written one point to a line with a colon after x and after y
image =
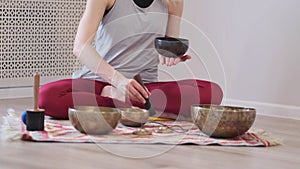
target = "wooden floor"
x: 32, y: 155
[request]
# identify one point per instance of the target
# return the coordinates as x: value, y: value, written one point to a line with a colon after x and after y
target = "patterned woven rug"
x: 63, y: 131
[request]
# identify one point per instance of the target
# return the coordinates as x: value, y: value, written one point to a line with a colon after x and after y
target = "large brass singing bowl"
x: 94, y: 120
x: 222, y: 121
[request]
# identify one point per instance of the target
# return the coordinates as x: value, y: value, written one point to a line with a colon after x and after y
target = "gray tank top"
x: 125, y: 39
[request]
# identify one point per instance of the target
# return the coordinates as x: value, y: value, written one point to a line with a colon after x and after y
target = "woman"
x: 123, y: 32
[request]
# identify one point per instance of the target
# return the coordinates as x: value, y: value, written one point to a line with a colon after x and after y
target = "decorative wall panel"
x: 38, y: 36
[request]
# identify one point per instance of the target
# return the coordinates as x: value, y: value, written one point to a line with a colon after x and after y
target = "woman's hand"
x: 124, y: 88
x: 136, y: 92
x: 173, y: 61
x: 131, y: 89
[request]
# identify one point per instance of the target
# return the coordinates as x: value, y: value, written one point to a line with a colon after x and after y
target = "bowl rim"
x: 81, y: 108
x: 133, y: 108
x: 172, y: 39
x: 219, y: 107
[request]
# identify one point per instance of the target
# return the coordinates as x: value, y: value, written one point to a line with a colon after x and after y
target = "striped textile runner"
x: 63, y: 131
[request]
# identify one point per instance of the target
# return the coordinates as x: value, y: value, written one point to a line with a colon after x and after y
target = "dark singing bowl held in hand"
x: 222, y: 121
x: 171, y: 47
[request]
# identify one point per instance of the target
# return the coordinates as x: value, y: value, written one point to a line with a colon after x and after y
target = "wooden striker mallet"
x: 35, y: 117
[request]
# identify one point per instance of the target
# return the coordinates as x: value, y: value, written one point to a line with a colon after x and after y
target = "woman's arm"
x: 89, y: 23
x: 175, y: 10
x: 88, y: 55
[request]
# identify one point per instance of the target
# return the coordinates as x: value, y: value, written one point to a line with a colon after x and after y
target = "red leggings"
x: 171, y: 97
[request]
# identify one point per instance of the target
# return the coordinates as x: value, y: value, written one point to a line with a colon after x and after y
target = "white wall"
x: 259, y: 46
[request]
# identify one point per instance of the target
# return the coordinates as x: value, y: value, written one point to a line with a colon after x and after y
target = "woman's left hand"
x: 173, y: 61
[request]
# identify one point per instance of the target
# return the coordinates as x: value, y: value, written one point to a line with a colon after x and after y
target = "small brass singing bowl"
x: 134, y: 117
x: 94, y: 120
x: 222, y: 121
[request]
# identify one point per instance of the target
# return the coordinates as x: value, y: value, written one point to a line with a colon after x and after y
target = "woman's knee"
x: 209, y: 92
x: 50, y: 93
x: 216, y: 93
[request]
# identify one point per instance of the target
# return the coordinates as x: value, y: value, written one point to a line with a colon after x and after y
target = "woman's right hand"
x: 129, y: 88
x: 136, y: 92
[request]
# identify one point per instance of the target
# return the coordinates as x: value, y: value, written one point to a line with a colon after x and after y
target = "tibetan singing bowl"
x: 134, y: 117
x: 222, y: 121
x: 171, y: 47
x: 94, y: 120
